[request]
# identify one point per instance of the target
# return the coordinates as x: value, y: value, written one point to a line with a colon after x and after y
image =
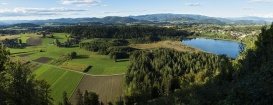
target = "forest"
x: 122, y: 32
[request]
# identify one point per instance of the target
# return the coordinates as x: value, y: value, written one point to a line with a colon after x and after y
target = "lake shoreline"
x: 218, y: 47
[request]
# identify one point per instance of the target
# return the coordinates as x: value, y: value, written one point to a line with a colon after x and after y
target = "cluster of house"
x: 12, y: 43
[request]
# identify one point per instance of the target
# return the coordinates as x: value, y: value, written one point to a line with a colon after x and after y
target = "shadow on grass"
x: 73, y: 46
x: 122, y: 60
x: 82, y: 57
x: 24, y: 52
x: 87, y: 69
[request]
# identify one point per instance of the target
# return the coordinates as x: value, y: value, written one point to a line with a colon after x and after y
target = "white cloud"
x: 81, y: 2
x: 104, y: 5
x: 193, y: 4
x: 118, y: 12
x: 263, y: 15
x: 261, y: 1
x: 36, y: 11
x: 249, y: 8
x: 4, y: 3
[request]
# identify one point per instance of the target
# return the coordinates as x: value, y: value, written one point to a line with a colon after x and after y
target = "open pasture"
x: 74, y: 66
x: 33, y: 41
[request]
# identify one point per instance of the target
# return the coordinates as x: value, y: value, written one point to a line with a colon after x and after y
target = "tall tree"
x: 79, y: 98
x: 88, y: 98
x: 57, y: 42
x: 65, y: 100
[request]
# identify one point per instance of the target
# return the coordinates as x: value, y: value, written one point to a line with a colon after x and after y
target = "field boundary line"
x: 43, y: 72
x: 53, y: 84
x: 76, y: 87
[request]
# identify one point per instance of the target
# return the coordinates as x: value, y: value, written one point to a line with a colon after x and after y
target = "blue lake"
x: 230, y: 48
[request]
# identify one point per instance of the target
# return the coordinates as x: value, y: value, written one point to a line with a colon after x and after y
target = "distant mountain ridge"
x: 161, y: 17
x: 108, y: 19
x: 1, y: 23
x: 203, y: 19
x: 150, y: 19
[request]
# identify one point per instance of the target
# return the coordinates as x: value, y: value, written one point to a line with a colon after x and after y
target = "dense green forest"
x: 124, y: 32
x: 164, y: 72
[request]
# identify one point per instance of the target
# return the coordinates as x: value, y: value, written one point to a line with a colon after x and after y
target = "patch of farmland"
x: 52, y: 75
x: 41, y: 70
x: 24, y: 55
x: 74, y: 66
x: 43, y: 60
x: 109, y: 88
x: 10, y: 37
x: 67, y: 82
x: 33, y: 66
x: 34, y: 41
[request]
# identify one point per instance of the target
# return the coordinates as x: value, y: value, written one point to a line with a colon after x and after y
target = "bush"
x: 73, y: 55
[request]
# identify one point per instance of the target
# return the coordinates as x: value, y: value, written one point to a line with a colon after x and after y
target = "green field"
x: 103, y: 66
x: 67, y: 82
x: 41, y: 70
x: 51, y: 75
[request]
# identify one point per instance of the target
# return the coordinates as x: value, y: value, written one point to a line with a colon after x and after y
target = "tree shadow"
x: 82, y: 57
x: 122, y: 60
x: 72, y: 46
x: 87, y: 69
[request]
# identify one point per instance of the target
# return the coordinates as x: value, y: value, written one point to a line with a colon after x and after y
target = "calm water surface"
x: 230, y: 48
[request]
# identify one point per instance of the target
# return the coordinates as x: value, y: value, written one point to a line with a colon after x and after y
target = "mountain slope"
x: 161, y: 17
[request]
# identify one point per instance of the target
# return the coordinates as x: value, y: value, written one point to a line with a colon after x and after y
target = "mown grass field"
x: 74, y: 66
x: 67, y: 82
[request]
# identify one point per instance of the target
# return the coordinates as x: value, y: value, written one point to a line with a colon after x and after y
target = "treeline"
x: 164, y: 72
x: 10, y: 32
x: 124, y: 32
x: 115, y: 48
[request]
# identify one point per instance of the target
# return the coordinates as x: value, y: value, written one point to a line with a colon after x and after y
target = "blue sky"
x: 51, y: 9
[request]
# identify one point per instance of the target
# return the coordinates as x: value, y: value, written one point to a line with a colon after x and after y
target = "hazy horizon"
x: 53, y: 9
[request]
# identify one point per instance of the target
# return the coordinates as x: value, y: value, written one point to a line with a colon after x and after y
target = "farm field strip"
x: 108, y: 88
x: 41, y: 70
x: 67, y: 82
x: 52, y: 75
